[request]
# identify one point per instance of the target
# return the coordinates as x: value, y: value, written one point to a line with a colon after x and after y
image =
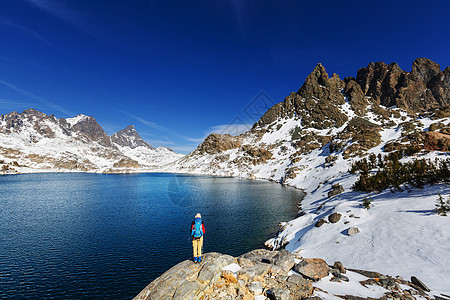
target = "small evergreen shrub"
x: 367, y: 202
x: 442, y: 206
x: 296, y: 133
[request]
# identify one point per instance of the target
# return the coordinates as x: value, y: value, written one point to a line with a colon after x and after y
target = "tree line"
x: 377, y: 173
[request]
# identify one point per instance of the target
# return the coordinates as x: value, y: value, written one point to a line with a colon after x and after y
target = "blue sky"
x: 179, y: 70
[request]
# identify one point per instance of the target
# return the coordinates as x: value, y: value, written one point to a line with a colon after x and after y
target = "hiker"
x: 197, y: 231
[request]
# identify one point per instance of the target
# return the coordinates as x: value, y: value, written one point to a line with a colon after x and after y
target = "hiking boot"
x: 199, y: 259
x: 195, y: 259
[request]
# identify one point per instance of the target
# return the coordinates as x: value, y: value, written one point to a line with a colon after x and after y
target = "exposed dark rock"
x: 336, y: 189
x: 356, y: 96
x: 313, y: 268
x: 363, y: 132
x: 278, y: 294
x: 260, y: 155
x: 442, y: 112
x: 129, y: 137
x: 90, y: 129
x: 258, y: 256
x: 416, y: 281
x: 320, y: 222
x: 368, y: 274
x: 431, y: 141
x: 284, y: 259
x: 339, y: 266
x: 425, y: 87
x: 334, y: 217
x: 335, y: 279
x: 436, y: 126
x: 330, y: 158
x: 388, y: 283
x: 216, y: 143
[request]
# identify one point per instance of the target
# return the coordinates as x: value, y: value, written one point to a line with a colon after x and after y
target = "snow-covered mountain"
x: 377, y: 140
x: 313, y: 138
x: 32, y: 141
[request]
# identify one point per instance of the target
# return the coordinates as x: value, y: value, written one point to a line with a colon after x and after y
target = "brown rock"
x: 334, y: 217
x: 261, y: 155
x: 126, y: 163
x: 320, y: 222
x: 284, y: 259
x: 216, y: 143
x: 339, y: 266
x: 432, y: 141
x: 313, y: 268
x: 336, y: 189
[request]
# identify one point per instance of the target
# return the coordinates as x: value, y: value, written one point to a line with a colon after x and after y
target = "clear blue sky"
x: 178, y: 70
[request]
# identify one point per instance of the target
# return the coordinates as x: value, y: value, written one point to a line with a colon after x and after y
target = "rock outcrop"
x: 269, y: 275
x: 219, y: 276
x: 315, y: 103
x: 425, y: 87
x: 215, y: 143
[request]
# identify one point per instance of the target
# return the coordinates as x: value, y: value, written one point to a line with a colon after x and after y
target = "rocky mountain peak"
x: 424, y: 69
x: 425, y: 87
x: 33, y: 112
x: 318, y: 76
x: 129, y: 137
x: 89, y: 128
x: 316, y: 102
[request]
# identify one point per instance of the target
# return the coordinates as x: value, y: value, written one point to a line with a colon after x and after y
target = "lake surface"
x: 76, y: 235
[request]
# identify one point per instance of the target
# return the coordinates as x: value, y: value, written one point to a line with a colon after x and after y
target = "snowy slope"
x: 35, y: 142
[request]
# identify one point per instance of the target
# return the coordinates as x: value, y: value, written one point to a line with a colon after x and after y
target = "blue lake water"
x: 82, y: 235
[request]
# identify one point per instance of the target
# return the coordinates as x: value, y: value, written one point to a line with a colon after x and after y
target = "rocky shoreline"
x: 265, y: 274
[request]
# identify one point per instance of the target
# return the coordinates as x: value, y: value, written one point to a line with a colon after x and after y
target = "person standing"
x: 197, y: 231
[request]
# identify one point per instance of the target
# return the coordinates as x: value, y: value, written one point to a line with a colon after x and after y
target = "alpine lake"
x: 80, y: 236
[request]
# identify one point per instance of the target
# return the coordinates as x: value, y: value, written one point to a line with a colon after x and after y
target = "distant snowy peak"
x: 77, y: 119
x: 129, y: 137
x: 88, y: 127
x: 33, y: 141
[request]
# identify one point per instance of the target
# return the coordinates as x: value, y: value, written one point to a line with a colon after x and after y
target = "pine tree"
x: 442, y: 206
x: 367, y: 202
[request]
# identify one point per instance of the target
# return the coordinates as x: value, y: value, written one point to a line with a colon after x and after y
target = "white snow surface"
x: 232, y: 268
x: 77, y: 119
x: 400, y: 234
x: 352, y: 287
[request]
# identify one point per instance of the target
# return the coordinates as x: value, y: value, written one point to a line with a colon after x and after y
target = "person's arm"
x: 203, y: 227
x: 192, y: 227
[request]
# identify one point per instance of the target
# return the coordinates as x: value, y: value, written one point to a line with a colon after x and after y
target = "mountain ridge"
x: 33, y: 141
